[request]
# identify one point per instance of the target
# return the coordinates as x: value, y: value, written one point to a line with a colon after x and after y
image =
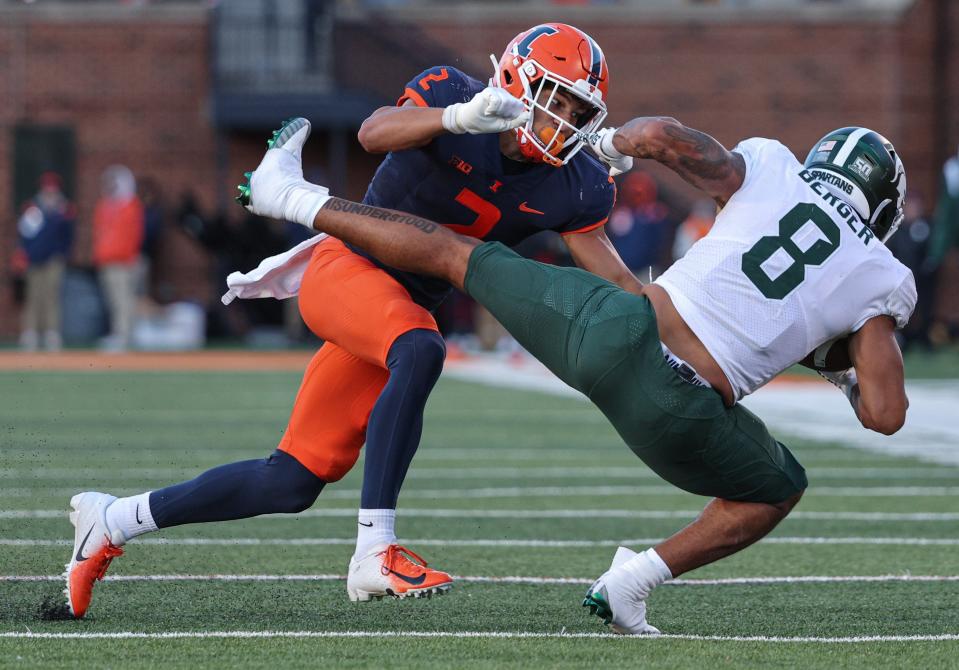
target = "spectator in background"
x: 945, y: 231
x: 46, y: 233
x: 233, y: 239
x: 152, y: 229
x: 910, y: 245
x: 639, y: 225
x: 694, y: 227
x: 118, y: 229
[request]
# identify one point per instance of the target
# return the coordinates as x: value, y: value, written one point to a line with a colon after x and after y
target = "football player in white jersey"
x: 794, y: 261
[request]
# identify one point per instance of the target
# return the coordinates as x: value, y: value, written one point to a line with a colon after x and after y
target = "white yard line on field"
x: 24, y: 475
x: 565, y: 491
x: 350, y: 512
x: 529, y: 543
x: 644, y: 639
x: 809, y: 579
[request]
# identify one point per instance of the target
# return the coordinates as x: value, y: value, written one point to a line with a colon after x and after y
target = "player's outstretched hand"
x: 601, y: 143
x: 492, y: 110
x: 276, y: 189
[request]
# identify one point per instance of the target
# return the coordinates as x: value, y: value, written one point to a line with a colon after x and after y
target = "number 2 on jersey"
x: 766, y: 247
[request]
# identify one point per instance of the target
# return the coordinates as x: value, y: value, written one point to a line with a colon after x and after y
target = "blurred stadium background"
x: 183, y: 94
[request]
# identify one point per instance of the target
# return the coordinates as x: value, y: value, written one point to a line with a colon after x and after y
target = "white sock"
x: 649, y: 570
x: 131, y: 516
x: 374, y: 526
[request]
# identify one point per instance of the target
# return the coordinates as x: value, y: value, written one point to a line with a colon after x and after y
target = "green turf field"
x: 524, y: 496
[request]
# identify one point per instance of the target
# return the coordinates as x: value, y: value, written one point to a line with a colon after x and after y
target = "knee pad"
x: 421, y: 349
x: 287, y: 482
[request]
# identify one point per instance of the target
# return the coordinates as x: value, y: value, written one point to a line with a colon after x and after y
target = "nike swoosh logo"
x: 368, y: 525
x: 79, y: 557
x: 415, y: 581
x: 529, y: 210
x: 138, y: 514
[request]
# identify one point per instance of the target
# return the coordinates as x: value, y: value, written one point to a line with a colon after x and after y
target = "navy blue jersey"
x: 466, y: 183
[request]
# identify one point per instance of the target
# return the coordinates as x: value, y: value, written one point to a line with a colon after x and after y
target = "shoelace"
x: 110, y: 552
x: 395, y: 553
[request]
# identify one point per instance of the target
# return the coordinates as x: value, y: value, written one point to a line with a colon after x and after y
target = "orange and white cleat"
x: 390, y: 570
x: 94, y: 546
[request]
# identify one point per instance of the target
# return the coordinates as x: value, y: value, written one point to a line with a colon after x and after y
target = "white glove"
x: 846, y: 381
x: 601, y: 143
x: 276, y: 188
x: 492, y: 110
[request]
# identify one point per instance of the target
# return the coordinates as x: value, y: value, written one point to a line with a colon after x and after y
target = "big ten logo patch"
x: 461, y: 165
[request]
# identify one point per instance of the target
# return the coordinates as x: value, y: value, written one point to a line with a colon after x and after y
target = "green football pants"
x: 603, y: 341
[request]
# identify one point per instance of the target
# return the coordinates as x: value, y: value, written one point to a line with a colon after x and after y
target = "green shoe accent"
x: 270, y: 142
x: 598, y: 606
x: 280, y: 135
x: 244, y: 189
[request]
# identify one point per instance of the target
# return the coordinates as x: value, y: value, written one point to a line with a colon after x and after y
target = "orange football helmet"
x: 554, y: 57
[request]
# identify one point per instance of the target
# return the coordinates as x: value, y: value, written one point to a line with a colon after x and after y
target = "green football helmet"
x: 862, y: 168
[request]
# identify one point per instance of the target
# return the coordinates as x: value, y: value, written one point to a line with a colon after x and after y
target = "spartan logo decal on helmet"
x: 554, y: 57
x: 861, y: 167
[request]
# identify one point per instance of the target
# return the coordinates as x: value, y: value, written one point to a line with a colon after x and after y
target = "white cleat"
x: 277, y: 189
x: 387, y: 570
x: 617, y: 599
x: 94, y: 546
x: 622, y: 555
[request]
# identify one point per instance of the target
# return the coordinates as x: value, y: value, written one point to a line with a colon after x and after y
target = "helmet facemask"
x: 540, y: 87
x: 889, y: 211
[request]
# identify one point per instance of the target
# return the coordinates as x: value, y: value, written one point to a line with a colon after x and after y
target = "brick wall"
x: 135, y: 91
x: 134, y: 85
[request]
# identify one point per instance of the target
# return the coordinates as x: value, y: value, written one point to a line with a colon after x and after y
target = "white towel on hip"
x: 275, y: 277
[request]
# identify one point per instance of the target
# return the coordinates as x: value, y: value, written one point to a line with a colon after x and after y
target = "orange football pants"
x: 359, y: 311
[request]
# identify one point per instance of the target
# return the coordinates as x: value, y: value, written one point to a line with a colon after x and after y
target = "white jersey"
x: 786, y: 267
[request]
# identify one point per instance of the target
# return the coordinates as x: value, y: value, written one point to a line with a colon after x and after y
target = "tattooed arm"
x: 693, y: 155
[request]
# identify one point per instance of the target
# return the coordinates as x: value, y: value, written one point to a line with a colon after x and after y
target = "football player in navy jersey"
x: 497, y: 162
